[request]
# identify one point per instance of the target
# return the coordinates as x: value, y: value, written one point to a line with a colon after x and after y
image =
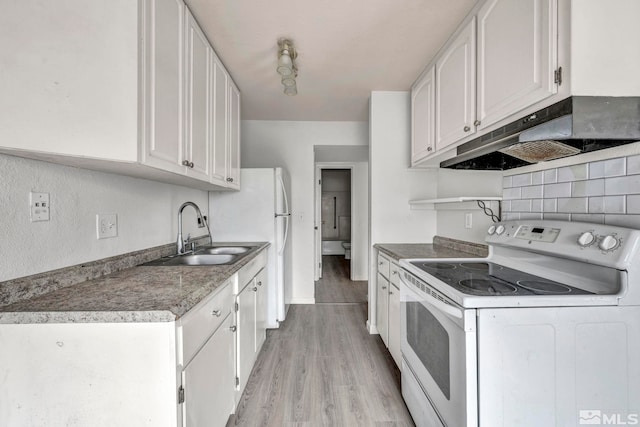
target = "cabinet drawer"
x: 383, y: 265
x: 394, y: 277
x: 203, y: 320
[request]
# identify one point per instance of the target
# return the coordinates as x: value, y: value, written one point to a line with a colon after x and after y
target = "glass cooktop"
x: 491, y: 279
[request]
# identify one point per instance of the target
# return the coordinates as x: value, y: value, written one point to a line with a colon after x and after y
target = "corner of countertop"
x: 477, y: 249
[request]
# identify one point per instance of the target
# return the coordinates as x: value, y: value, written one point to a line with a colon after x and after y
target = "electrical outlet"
x: 39, y: 204
x: 468, y: 220
x: 107, y: 225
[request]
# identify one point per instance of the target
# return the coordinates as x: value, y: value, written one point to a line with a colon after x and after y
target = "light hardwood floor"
x: 335, y: 285
x: 322, y: 368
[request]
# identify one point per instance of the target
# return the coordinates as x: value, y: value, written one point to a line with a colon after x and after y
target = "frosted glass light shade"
x: 293, y: 90
x: 285, y: 65
x: 289, y: 81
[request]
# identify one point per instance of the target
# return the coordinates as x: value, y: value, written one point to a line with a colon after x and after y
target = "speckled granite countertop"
x: 442, y: 247
x: 138, y: 294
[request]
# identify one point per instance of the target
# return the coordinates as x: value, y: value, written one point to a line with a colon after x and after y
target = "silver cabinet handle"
x: 380, y: 263
x: 260, y: 283
x: 216, y: 313
x: 384, y: 287
x: 229, y: 179
x: 255, y: 289
x: 467, y: 128
x: 233, y: 328
x: 477, y: 123
x: 185, y: 163
x: 394, y: 272
x: 390, y: 292
x: 191, y: 165
x: 429, y: 149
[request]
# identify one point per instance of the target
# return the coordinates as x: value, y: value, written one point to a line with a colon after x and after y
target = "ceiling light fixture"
x: 287, y: 66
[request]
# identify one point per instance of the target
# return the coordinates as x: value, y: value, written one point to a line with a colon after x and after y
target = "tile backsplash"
x: 604, y: 191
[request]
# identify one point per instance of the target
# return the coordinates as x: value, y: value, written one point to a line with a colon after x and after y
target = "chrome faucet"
x: 202, y: 222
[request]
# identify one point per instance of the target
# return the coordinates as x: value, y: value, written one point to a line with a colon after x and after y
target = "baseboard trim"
x: 303, y: 301
x: 372, y: 329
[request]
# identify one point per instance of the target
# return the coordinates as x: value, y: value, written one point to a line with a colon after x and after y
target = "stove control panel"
x: 539, y: 234
x: 602, y: 244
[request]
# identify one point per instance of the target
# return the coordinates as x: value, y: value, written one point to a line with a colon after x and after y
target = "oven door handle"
x: 436, y: 303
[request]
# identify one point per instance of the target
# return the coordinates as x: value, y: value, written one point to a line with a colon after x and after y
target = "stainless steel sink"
x: 194, y: 259
x: 230, y: 250
x: 210, y: 255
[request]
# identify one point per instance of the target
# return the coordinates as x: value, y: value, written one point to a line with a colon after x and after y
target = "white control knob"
x: 609, y: 243
x: 491, y: 230
x: 586, y: 239
x: 499, y: 229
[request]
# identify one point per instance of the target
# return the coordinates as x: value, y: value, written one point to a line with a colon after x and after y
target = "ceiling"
x: 346, y: 49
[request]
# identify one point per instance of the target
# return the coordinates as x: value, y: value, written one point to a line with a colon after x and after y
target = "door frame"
x: 317, y: 219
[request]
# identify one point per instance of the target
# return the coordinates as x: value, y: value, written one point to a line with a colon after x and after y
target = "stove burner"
x: 475, y: 266
x: 438, y: 266
x: 489, y: 286
x: 544, y: 287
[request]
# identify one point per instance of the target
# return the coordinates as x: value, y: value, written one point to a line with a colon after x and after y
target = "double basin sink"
x: 210, y: 255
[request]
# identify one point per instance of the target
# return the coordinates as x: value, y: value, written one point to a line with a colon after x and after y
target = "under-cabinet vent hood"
x: 575, y: 125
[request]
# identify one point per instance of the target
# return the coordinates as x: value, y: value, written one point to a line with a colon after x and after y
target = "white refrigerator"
x: 260, y: 211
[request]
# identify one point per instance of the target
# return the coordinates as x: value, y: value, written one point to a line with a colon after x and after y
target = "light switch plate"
x: 39, y: 206
x: 468, y: 220
x: 106, y: 226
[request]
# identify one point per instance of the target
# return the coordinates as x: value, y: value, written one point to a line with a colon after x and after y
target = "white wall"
x: 291, y: 146
x: 451, y: 216
x: 147, y: 215
x: 392, y: 184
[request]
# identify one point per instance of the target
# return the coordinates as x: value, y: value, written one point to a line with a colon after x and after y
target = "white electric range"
x: 545, y: 331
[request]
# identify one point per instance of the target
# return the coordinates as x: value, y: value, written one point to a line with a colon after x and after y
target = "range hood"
x: 578, y: 124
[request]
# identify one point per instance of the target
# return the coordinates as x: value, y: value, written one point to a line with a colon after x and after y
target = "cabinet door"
x: 382, y: 308
x: 246, y: 333
x: 208, y: 381
x: 423, y: 102
x: 164, y: 118
x: 456, y: 89
x: 198, y: 135
x: 394, y: 325
x: 517, y: 56
x: 261, y: 309
x: 233, y: 167
x: 220, y: 122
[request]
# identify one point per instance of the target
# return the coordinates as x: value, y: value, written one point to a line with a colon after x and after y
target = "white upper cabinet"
x: 220, y: 122
x: 517, y: 56
x: 135, y: 97
x: 164, y: 124
x: 233, y: 168
x: 456, y: 88
x: 423, y: 116
x: 197, y: 158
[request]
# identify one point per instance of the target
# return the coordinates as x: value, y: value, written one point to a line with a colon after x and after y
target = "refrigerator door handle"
x: 286, y: 233
x: 284, y: 194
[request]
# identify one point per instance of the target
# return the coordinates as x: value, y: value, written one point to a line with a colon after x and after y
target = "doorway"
x: 334, y: 222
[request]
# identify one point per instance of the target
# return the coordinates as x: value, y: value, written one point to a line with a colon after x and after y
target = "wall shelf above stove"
x: 431, y: 203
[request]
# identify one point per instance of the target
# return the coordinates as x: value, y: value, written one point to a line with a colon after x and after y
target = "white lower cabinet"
x: 246, y: 334
x: 382, y: 316
x: 209, y: 380
x: 261, y: 309
x: 181, y: 373
x: 251, y: 322
x: 388, y: 306
x: 394, y: 324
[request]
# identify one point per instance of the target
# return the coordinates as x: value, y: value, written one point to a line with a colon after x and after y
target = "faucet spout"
x: 180, y: 243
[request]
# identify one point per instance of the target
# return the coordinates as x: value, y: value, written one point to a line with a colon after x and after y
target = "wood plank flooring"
x: 335, y: 285
x: 322, y: 368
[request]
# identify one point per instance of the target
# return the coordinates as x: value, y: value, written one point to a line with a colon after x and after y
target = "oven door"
x: 439, y: 346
